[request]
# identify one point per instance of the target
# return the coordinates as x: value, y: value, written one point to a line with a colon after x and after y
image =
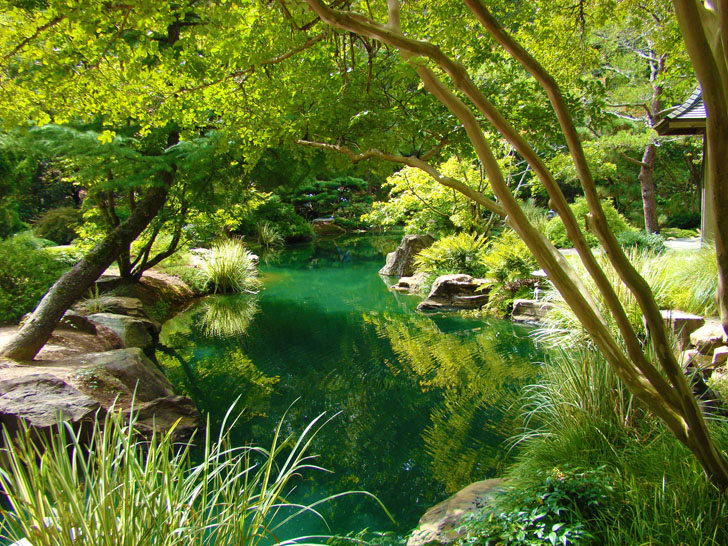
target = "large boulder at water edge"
x: 132, y: 331
x: 532, y: 311
x: 401, y: 261
x: 441, y: 523
x: 458, y: 291
x: 410, y: 285
x: 38, y: 399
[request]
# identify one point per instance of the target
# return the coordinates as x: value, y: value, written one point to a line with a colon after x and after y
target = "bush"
x: 58, y: 225
x: 459, y: 253
x: 642, y: 240
x: 556, y: 232
x: 280, y: 215
x: 684, y: 220
x: 510, y: 265
x: 229, y: 267
x: 27, y: 273
x: 269, y: 235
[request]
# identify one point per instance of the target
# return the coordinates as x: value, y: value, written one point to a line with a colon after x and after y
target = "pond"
x: 422, y: 405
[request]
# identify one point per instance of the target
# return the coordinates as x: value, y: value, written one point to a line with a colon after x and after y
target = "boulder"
x: 118, y: 305
x: 401, y: 261
x: 442, y: 522
x: 682, y: 325
x: 456, y: 291
x: 39, y: 399
x: 78, y: 322
x: 164, y: 413
x: 118, y: 373
x: 720, y: 356
x: 410, y: 285
x: 692, y: 358
x: 132, y: 331
x: 530, y: 310
x: 708, y: 337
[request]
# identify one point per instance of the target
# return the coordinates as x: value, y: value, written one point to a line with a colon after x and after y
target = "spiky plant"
x: 230, y: 267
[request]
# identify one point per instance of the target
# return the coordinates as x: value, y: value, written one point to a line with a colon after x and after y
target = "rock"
x: 401, y: 261
x: 720, y: 356
x: 410, y: 284
x: 118, y: 305
x: 78, y: 322
x: 708, y: 337
x: 456, y: 291
x: 682, y: 325
x: 692, y: 358
x: 164, y: 413
x: 111, y: 373
x: 39, y: 399
x: 132, y: 331
x: 530, y: 310
x: 441, y: 522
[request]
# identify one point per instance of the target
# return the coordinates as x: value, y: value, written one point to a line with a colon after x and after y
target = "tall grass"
x: 114, y: 489
x: 230, y: 267
x: 580, y: 417
x: 269, y: 235
x: 692, y: 280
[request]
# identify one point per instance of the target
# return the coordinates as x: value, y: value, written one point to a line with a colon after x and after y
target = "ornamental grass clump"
x: 112, y: 487
x: 230, y: 267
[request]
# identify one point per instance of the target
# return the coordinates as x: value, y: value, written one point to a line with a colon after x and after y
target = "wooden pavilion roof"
x: 687, y: 119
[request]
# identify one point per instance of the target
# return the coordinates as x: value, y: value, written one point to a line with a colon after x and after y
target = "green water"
x: 423, y: 404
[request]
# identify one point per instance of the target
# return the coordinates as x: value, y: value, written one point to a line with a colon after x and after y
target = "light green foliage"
x: 424, y: 206
x: 26, y: 274
x: 691, y: 280
x: 269, y: 235
x: 113, y: 487
x: 58, y: 225
x: 459, y: 253
x: 556, y: 232
x: 580, y: 416
x: 562, y: 326
x: 509, y: 266
x: 653, y: 242
x: 229, y: 267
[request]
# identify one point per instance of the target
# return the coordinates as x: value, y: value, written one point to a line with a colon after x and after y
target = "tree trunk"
x: 647, y: 184
x: 74, y: 283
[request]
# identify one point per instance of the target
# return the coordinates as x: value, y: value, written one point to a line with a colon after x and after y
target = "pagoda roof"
x: 687, y: 119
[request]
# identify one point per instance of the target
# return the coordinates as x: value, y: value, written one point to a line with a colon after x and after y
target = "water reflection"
x: 423, y: 400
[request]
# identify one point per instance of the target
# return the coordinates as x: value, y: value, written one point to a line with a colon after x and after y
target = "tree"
x: 668, y: 395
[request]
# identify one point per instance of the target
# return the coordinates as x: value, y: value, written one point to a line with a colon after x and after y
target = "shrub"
x: 282, y: 216
x: 27, y: 273
x: 269, y: 235
x: 642, y: 240
x: 459, y: 253
x: 556, y: 232
x: 58, y: 225
x: 510, y: 265
x: 230, y: 267
x: 121, y: 489
x: 684, y: 220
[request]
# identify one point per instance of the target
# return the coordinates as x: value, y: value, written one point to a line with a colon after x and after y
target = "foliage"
x: 684, y: 220
x: 119, y: 487
x: 557, y: 511
x: 58, y: 225
x: 563, y: 328
x: 556, y: 231
x: 278, y: 214
x: 581, y: 416
x: 229, y: 267
x: 642, y: 240
x: 424, y: 206
x: 27, y: 273
x: 691, y: 280
x: 269, y: 235
x: 330, y: 197
x: 509, y: 264
x: 459, y: 253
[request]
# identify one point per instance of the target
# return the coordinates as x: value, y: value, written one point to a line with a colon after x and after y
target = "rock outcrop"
x: 401, y: 261
x: 682, y: 325
x: 458, y: 291
x: 441, y: 523
x: 709, y: 337
x: 132, y: 331
x: 410, y: 285
x: 532, y: 311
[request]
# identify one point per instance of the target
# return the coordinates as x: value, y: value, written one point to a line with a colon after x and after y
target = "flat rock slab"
x: 401, y: 261
x: 409, y: 285
x: 708, y: 337
x: 132, y: 331
x: 39, y: 400
x: 530, y: 310
x: 458, y: 291
x: 682, y: 325
x: 441, y: 522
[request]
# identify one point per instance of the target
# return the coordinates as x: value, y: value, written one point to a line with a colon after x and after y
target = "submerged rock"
x: 401, y: 261
x: 411, y: 284
x: 458, y: 291
x: 441, y: 523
